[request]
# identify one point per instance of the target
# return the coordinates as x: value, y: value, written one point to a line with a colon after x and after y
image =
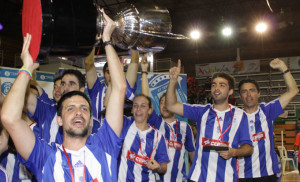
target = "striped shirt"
x: 14, y: 169
x: 263, y: 161
x: 208, y: 165
x: 98, y: 158
x: 138, y: 147
x: 179, y: 137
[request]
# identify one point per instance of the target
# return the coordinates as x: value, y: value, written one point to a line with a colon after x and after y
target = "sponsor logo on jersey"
x: 142, y: 160
x: 258, y: 136
x: 174, y: 144
x: 212, y: 142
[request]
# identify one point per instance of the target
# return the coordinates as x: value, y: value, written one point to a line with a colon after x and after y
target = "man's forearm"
x: 244, y: 150
x: 171, y: 97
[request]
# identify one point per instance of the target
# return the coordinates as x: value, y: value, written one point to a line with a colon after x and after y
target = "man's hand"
x: 89, y: 60
x: 109, y: 27
x: 153, y: 165
x: 25, y: 55
x: 175, y: 71
x: 144, y: 64
x: 227, y: 154
x: 278, y: 64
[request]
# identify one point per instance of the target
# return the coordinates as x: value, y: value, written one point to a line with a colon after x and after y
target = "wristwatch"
x: 107, y: 43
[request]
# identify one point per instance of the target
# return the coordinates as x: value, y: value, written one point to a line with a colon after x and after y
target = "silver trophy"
x: 70, y: 27
x: 143, y: 27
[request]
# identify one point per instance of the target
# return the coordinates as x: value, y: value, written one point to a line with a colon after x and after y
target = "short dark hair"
x: 69, y: 95
x: 104, y: 68
x: 147, y: 97
x: 163, y: 95
x: 80, y: 77
x: 57, y: 78
x: 248, y: 80
x: 226, y: 76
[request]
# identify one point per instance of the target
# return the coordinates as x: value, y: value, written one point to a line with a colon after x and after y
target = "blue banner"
x: 158, y: 84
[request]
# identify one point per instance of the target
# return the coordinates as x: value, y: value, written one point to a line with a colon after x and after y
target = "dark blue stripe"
x: 134, y: 148
x: 261, y: 147
x: 209, y: 130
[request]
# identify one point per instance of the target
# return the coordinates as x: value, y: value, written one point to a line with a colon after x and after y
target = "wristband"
x: 26, y: 71
x: 107, y: 43
x: 145, y: 72
x: 285, y: 71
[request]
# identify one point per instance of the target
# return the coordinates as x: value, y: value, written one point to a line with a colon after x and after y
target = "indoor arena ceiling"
x: 209, y: 16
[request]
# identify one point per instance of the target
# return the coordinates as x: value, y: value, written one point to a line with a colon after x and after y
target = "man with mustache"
x: 263, y: 165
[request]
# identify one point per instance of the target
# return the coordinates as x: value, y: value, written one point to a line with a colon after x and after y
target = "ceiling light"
x: 261, y: 27
x: 195, y: 34
x: 227, y: 31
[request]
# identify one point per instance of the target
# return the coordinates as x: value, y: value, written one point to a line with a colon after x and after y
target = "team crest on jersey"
x: 174, y: 144
x: 213, y: 142
x: 142, y: 160
x: 258, y: 136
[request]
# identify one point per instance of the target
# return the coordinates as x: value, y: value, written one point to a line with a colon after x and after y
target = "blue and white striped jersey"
x: 15, y: 171
x: 97, y: 95
x: 98, y: 158
x: 138, y: 147
x: 207, y: 164
x: 179, y: 137
x: 263, y: 161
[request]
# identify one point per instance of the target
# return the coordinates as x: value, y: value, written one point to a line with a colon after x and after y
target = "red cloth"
x: 32, y: 24
x: 297, y: 142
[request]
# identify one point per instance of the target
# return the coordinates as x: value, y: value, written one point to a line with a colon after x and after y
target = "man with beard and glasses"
x: 222, y: 130
x: 81, y: 157
x: 178, y: 134
x: 263, y: 164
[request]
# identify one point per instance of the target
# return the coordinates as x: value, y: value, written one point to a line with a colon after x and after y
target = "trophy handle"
x: 100, y: 19
x: 165, y: 35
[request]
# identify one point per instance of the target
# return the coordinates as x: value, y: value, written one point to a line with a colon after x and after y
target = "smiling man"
x: 263, y: 165
x: 222, y: 130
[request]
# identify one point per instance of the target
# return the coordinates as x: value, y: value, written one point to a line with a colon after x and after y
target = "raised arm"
x: 13, y: 104
x: 132, y: 70
x: 171, y: 98
x: 35, y: 83
x: 90, y: 69
x: 115, y: 106
x: 145, y: 83
x: 291, y: 85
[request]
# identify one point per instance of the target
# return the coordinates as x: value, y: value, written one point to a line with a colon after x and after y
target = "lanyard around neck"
x: 221, y: 136
x: 173, y: 130
x: 70, y: 167
x: 153, y: 147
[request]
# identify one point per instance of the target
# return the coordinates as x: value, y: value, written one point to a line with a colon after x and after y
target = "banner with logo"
x: 8, y: 76
x: 158, y: 83
x: 237, y: 67
x: 292, y: 62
